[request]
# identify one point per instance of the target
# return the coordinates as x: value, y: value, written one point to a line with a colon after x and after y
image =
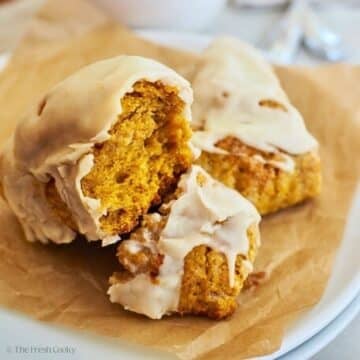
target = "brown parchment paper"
x: 67, y: 284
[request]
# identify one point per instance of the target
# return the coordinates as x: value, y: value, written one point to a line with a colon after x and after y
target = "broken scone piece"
x: 252, y: 138
x: 192, y: 256
x: 99, y: 150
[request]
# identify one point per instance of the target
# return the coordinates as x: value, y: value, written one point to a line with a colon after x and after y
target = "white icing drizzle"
x: 133, y: 246
x: 21, y: 201
x: 207, y: 213
x: 287, y: 164
x: 55, y: 143
x: 231, y: 82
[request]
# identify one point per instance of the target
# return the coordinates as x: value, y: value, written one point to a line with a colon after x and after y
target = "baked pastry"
x: 99, y: 150
x: 192, y: 256
x: 252, y: 138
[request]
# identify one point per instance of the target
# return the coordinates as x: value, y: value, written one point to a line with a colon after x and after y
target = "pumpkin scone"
x: 252, y: 138
x: 192, y: 256
x: 98, y: 151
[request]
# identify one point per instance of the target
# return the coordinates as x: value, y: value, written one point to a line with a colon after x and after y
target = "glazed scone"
x: 252, y: 138
x: 267, y: 186
x: 99, y: 150
x: 192, y: 256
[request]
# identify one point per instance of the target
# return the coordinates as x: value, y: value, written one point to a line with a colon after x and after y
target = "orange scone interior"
x: 205, y: 287
x: 190, y: 257
x: 147, y: 151
x: 98, y: 150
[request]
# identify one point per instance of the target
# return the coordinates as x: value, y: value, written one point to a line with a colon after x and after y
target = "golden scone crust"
x: 265, y: 185
x: 58, y: 206
x: 205, y: 288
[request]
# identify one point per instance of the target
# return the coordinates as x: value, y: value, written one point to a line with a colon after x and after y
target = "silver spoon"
x: 319, y: 40
x: 282, y: 42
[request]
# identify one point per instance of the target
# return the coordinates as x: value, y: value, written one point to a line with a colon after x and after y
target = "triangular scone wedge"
x: 192, y: 256
x: 251, y: 136
x: 98, y: 150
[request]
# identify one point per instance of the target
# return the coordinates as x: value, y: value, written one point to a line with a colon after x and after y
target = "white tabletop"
x: 345, y: 347
x: 251, y: 25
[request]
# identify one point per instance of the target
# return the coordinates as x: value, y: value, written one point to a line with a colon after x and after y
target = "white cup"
x: 164, y: 14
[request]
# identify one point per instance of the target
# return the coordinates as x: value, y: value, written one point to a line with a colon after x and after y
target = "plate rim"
x: 328, y: 334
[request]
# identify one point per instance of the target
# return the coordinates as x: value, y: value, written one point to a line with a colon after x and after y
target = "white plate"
x: 325, y: 336
x: 343, y: 287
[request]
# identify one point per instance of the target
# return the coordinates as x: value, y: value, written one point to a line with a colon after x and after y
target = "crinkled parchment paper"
x: 67, y: 284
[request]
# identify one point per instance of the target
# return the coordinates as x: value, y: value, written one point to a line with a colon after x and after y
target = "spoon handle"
x: 281, y: 43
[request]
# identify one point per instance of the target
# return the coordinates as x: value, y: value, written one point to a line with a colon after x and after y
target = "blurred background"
x: 297, y: 31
